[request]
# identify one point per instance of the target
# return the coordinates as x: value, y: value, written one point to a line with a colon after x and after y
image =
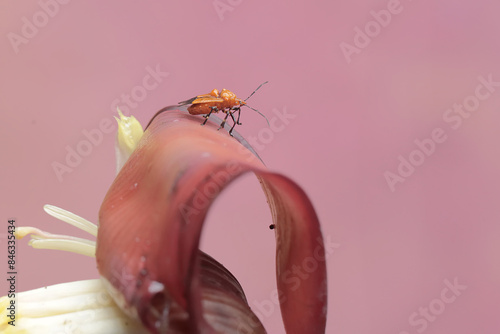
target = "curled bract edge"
x: 150, y: 224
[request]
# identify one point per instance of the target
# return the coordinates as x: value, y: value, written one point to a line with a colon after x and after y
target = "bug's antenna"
x: 262, y: 84
x: 259, y: 112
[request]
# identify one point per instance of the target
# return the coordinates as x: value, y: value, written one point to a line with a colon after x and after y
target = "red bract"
x: 150, y: 226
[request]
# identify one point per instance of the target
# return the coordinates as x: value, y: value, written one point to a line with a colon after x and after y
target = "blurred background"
x: 386, y: 112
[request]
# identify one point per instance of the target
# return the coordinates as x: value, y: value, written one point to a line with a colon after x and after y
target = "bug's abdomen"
x: 202, y: 109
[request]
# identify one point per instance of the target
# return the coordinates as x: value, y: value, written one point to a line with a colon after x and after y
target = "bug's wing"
x: 201, y: 99
x: 206, y: 99
x: 190, y: 101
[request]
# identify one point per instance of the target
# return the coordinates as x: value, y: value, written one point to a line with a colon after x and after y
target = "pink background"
x: 352, y: 122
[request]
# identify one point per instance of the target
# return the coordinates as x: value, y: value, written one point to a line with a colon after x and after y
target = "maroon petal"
x: 150, y: 226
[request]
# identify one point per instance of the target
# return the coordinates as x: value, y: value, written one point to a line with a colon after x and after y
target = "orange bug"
x: 225, y: 101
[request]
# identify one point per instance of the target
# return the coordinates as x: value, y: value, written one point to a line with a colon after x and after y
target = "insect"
x: 224, y: 101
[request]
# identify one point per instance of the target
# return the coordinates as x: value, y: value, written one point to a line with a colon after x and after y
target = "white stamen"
x: 64, y: 245
x: 44, y: 240
x: 71, y: 219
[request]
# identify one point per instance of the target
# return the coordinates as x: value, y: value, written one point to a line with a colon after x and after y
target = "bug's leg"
x: 239, y: 113
x: 224, y: 120
x: 234, y: 124
x: 212, y: 109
